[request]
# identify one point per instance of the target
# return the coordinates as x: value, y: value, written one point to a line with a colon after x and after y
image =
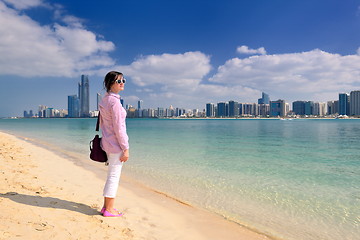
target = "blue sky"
x: 182, y: 53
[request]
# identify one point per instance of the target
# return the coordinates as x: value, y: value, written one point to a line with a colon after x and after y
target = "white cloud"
x: 358, y: 51
x: 35, y: 50
x: 80, y: 42
x: 169, y: 70
x: 132, y: 99
x: 60, y: 15
x: 67, y: 48
x: 246, y: 50
x: 25, y: 4
x: 72, y: 21
x: 311, y: 74
x: 178, y: 79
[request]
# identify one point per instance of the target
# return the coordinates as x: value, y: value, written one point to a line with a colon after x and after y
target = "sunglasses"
x: 122, y: 80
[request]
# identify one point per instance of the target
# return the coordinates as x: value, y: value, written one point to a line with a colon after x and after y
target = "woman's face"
x: 118, y: 85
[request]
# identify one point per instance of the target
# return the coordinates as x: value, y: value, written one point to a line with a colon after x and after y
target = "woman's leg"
x: 112, y: 181
x: 109, y: 205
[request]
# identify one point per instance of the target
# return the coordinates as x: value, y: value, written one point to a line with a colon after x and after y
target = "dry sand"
x: 44, y: 195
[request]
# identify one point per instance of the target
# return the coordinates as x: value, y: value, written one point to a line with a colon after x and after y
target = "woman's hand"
x: 125, y: 156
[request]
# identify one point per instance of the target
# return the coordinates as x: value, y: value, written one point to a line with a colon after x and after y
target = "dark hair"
x: 110, y: 79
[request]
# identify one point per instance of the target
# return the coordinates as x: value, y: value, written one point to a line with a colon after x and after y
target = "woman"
x: 114, y: 138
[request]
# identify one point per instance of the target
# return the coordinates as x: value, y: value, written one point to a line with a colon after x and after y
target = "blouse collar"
x: 113, y: 94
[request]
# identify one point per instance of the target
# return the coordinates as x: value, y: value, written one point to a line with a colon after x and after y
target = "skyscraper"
x: 264, y: 109
x: 210, y: 110
x: 309, y: 108
x: 355, y: 103
x: 299, y: 107
x: 84, y: 96
x: 98, y: 100
x: 140, y: 102
x: 265, y: 99
x: 223, y: 109
x: 344, y: 104
x: 319, y: 109
x: 277, y: 108
x: 160, y: 112
x: 139, y: 109
x: 248, y: 109
x: 332, y: 107
x: 233, y: 109
x: 41, y: 111
x: 73, y: 106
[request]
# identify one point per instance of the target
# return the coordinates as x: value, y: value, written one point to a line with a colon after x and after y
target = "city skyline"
x: 181, y: 52
x: 78, y: 106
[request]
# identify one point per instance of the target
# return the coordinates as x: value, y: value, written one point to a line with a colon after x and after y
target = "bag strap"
x: 97, y: 123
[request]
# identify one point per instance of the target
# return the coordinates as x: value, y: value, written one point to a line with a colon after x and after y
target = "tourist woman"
x: 115, y: 141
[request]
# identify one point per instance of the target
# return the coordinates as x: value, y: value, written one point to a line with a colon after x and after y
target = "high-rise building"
x: 344, y: 104
x: 299, y: 107
x: 320, y: 108
x: 152, y: 112
x: 287, y: 108
x: 249, y: 109
x: 41, y: 111
x: 317, y: 109
x: 161, y: 112
x: 309, y: 107
x: 98, y: 100
x: 197, y: 113
x: 49, y: 112
x: 29, y: 114
x: 210, y: 110
x: 265, y: 99
x: 332, y: 107
x: 222, y: 109
x: 73, y: 106
x: 355, y: 103
x: 140, y: 102
x: 179, y: 112
x: 170, y: 112
x: 241, y: 109
x: 233, y: 109
x: 84, y: 96
x: 255, y: 109
x: 139, y: 109
x: 277, y: 108
x: 263, y: 109
x: 336, y: 106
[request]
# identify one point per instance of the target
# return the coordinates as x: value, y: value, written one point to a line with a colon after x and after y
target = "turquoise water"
x: 296, y: 179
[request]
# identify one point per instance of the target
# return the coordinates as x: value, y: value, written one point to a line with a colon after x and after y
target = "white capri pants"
x: 113, y: 175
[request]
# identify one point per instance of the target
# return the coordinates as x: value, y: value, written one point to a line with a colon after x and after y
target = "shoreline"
x: 210, y: 118
x: 42, y: 189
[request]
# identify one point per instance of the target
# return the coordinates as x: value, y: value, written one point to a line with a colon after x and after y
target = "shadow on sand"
x: 49, y: 202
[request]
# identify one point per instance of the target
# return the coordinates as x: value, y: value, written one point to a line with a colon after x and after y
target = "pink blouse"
x: 112, y: 124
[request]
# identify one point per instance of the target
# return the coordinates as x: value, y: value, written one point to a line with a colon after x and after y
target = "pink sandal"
x: 108, y: 214
x: 103, y: 210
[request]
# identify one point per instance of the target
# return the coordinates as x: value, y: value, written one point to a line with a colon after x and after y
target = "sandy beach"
x: 44, y: 195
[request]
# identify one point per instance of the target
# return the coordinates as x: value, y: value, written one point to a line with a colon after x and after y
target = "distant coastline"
x: 209, y: 118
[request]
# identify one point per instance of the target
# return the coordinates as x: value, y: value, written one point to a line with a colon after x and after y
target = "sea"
x: 288, y: 179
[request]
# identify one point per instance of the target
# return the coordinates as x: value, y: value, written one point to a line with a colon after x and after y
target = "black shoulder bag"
x: 96, y: 152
